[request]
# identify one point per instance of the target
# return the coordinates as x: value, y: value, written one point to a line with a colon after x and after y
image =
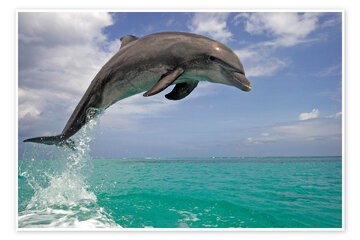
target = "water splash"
x: 57, y: 178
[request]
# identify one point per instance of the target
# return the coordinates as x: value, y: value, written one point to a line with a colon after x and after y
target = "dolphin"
x: 150, y: 64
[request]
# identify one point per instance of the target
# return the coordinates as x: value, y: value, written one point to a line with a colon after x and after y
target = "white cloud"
x: 260, y: 62
x: 248, y: 54
x: 62, y: 28
x: 330, y: 71
x: 28, y: 111
x: 335, y: 20
x: 211, y: 24
x: 336, y: 115
x: 315, y: 129
x: 59, y: 54
x: 287, y: 29
x: 267, y: 67
x: 264, y: 138
x: 282, y: 29
x: 313, y: 114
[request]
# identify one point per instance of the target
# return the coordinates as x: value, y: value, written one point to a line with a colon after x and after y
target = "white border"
x: 343, y: 92
x: 342, y: 229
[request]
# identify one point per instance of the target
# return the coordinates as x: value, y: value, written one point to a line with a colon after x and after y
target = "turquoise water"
x: 64, y: 188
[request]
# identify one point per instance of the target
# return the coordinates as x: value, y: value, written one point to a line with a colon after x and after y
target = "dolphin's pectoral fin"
x: 164, y: 82
x: 181, y: 90
x: 127, y: 39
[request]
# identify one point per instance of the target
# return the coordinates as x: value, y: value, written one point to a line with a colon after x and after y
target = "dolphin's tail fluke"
x: 59, y: 140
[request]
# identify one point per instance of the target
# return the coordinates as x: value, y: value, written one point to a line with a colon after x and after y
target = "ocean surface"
x: 60, y: 188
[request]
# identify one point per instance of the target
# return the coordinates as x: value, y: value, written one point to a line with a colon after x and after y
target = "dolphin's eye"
x: 212, y: 58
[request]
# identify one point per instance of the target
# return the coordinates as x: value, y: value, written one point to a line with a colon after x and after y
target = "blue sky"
x: 293, y: 60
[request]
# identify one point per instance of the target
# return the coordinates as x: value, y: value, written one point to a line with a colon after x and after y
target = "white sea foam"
x: 63, y: 199
x: 73, y: 217
x: 187, y: 217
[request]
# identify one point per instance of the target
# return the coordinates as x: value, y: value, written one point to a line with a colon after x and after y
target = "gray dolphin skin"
x: 150, y: 64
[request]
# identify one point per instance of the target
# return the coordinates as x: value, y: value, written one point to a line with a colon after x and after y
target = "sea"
x: 60, y: 188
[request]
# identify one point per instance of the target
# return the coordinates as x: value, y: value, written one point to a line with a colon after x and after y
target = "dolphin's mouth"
x: 238, y: 78
x: 240, y: 81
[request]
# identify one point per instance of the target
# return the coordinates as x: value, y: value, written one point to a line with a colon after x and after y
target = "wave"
x: 57, y: 178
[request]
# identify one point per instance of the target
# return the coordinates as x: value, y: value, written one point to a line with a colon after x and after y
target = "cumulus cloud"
x: 287, y: 29
x: 59, y: 54
x: 211, y: 24
x: 62, y: 27
x: 282, y: 30
x: 305, y: 116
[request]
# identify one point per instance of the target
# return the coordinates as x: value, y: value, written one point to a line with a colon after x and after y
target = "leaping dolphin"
x: 152, y: 63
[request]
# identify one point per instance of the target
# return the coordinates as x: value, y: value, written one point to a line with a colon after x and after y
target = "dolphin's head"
x: 229, y: 70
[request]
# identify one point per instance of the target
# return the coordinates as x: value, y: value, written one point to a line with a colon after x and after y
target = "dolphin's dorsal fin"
x: 164, y: 82
x: 181, y: 90
x: 127, y: 39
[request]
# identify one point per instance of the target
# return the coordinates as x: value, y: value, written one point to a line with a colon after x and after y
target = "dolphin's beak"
x: 240, y: 81
x: 238, y: 78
